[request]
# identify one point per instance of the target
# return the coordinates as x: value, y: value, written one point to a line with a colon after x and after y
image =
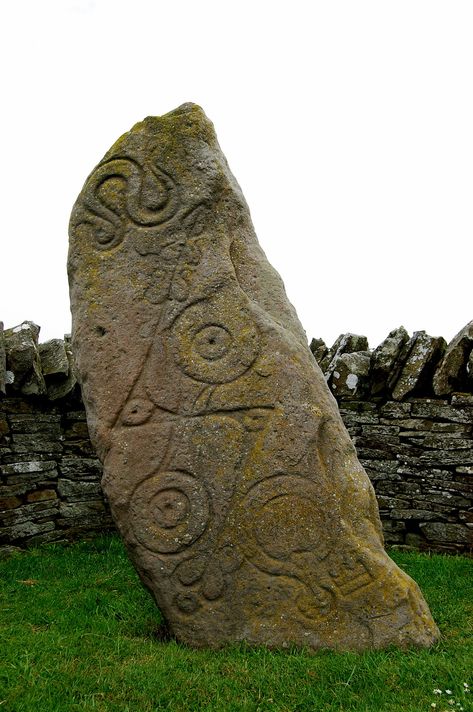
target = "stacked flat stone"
x: 34, y: 369
x: 49, y: 475
x: 400, y: 367
x: 419, y: 457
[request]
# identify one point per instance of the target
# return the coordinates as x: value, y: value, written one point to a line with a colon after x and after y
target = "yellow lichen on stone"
x: 229, y: 472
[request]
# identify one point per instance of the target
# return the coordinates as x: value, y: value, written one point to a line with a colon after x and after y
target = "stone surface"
x: 345, y: 344
x: 454, y: 533
x: 385, y: 433
x: 53, y: 358
x: 62, y: 384
x: 319, y: 349
x: 350, y: 374
x: 230, y: 475
x: 22, y: 359
x: 454, y: 372
x: 3, y: 359
x: 424, y: 355
x: 385, y: 357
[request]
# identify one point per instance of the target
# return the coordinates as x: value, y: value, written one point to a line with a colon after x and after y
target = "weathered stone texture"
x: 53, y: 358
x: 345, y: 344
x: 455, y: 370
x: 350, y: 376
x: 424, y: 354
x: 35, y: 369
x: 385, y: 358
x: 23, y: 365
x: 3, y: 360
x: 38, y: 478
x: 230, y: 475
x: 419, y: 458
x: 319, y: 349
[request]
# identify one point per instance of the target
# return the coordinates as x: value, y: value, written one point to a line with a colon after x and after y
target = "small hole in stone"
x: 101, y: 331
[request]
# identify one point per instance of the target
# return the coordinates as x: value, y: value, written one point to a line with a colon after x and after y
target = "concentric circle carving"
x: 212, y: 342
x: 169, y: 511
x: 215, y: 345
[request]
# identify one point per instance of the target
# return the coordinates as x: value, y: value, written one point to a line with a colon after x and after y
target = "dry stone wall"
x: 408, y: 406
x: 50, y: 478
x: 419, y: 457
x: 49, y: 475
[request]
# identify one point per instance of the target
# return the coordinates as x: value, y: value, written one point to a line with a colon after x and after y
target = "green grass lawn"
x: 78, y: 632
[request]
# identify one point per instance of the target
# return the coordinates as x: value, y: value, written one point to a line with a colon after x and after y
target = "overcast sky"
x: 348, y: 124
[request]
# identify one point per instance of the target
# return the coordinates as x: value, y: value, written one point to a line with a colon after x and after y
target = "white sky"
x: 348, y: 124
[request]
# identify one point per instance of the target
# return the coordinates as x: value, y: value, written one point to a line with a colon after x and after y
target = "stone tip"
x: 186, y: 109
x: 189, y: 117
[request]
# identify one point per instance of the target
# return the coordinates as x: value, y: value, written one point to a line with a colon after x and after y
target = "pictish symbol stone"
x: 229, y: 472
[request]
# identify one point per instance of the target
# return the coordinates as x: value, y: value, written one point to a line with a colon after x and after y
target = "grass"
x: 78, y: 632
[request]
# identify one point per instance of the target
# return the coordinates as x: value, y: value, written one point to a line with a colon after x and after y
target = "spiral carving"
x: 121, y: 191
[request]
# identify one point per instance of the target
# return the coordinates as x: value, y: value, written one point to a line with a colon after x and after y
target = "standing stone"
x: 230, y: 475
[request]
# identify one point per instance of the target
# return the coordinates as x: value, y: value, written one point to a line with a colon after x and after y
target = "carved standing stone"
x: 230, y: 475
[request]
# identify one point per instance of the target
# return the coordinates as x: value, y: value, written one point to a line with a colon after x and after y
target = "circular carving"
x: 191, y: 570
x: 212, y: 342
x: 187, y: 602
x: 171, y: 507
x: 212, y: 345
x: 287, y: 523
x: 169, y: 511
x: 282, y: 517
x: 230, y: 558
x: 105, y: 234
